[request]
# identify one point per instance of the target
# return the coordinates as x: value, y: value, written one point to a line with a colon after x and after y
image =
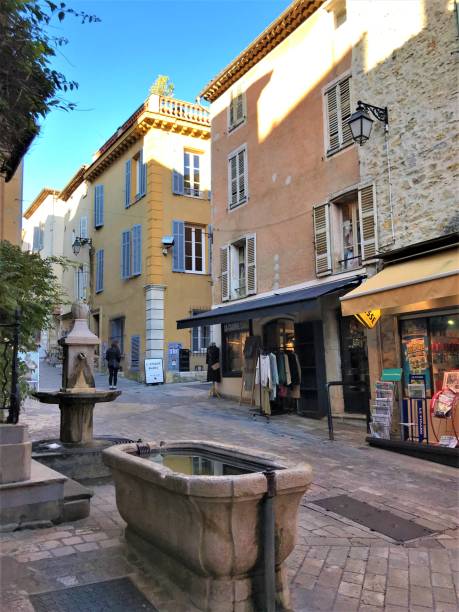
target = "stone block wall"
x: 405, y: 57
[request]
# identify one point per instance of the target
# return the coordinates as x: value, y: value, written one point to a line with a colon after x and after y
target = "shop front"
x: 306, y: 341
x: 418, y: 335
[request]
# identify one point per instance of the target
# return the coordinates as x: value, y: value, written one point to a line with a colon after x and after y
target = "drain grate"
x: 114, y: 595
x: 382, y: 521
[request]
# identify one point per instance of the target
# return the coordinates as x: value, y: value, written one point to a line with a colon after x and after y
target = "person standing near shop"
x: 113, y: 357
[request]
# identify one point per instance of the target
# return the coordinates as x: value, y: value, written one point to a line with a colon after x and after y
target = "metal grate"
x: 113, y: 595
x: 381, y: 521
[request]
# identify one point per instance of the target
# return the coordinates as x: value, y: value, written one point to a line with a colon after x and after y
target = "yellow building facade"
x: 149, y: 193
x: 11, y: 206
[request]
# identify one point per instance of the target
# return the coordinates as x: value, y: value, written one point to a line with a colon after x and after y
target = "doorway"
x: 354, y: 365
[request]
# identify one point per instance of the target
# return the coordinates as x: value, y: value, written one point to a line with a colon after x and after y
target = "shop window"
x: 233, y: 339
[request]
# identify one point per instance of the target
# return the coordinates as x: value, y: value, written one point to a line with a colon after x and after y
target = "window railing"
x: 350, y: 263
x: 184, y: 110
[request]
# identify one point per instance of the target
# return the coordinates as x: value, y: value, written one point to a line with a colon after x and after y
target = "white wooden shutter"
x: 232, y: 114
x: 224, y: 273
x: 233, y: 182
x: 242, y: 179
x: 332, y: 119
x: 321, y: 216
x: 251, y: 264
x: 367, y: 212
x: 239, y: 108
x: 345, y: 110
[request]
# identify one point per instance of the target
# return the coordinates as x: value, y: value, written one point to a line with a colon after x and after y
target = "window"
x: 191, y: 174
x: 200, y: 339
x: 338, y: 111
x: 81, y: 279
x: 38, y: 238
x: 131, y: 252
x: 189, y: 250
x: 354, y: 236
x: 84, y: 227
x: 236, y: 110
x: 117, y: 332
x: 238, y: 269
x: 234, y: 336
x: 135, y: 179
x: 98, y: 206
x: 135, y: 352
x: 194, y: 249
x: 99, y: 271
x: 237, y: 178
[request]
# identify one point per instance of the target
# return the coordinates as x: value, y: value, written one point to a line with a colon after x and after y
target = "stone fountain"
x: 77, y: 452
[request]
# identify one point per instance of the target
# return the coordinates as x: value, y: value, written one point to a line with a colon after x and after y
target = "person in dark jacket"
x: 113, y: 357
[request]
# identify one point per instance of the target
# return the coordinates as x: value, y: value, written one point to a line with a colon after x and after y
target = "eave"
x: 274, y: 34
x: 41, y: 197
x: 73, y: 184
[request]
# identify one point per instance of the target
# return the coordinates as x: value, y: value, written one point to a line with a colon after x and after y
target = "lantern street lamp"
x: 78, y: 242
x: 361, y: 123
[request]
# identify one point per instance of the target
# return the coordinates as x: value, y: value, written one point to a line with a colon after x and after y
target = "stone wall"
x: 411, y: 69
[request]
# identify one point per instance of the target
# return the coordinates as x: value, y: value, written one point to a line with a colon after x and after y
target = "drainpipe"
x: 269, y: 542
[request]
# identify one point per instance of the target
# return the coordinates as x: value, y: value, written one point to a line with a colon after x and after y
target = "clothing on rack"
x: 263, y: 378
x: 281, y: 368
x: 295, y: 374
x: 288, y: 377
x: 274, y: 375
x: 251, y: 349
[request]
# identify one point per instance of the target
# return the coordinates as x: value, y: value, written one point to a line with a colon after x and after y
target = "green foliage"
x: 163, y: 86
x: 29, y: 87
x: 28, y: 283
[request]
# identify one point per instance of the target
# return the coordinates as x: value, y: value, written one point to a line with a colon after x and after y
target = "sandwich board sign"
x: 154, y: 372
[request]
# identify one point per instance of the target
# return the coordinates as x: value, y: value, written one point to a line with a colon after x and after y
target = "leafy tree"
x: 29, y: 86
x: 163, y: 86
x: 30, y: 285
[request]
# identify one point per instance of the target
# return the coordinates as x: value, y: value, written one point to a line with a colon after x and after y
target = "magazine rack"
x: 435, y: 404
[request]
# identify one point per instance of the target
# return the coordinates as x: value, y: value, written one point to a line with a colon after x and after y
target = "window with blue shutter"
x: 126, y: 254
x: 177, y: 175
x: 36, y: 239
x: 178, y: 257
x: 84, y: 227
x: 136, y: 250
x: 99, y: 271
x: 135, y: 352
x: 142, y: 175
x: 127, y: 184
x: 98, y: 206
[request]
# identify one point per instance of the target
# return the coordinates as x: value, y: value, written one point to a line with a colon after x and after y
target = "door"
x: 354, y: 365
x: 309, y: 346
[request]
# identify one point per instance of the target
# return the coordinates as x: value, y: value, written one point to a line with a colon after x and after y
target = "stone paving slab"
x: 337, y: 563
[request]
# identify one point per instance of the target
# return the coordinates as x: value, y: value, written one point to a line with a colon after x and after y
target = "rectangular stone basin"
x: 195, y: 508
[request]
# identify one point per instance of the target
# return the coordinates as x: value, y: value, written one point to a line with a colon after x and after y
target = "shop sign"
x: 154, y: 372
x: 392, y: 374
x: 369, y: 318
x: 236, y: 326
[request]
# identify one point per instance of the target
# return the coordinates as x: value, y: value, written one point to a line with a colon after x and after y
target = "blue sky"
x: 117, y: 60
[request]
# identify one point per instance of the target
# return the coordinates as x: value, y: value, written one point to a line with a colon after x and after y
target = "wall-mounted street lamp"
x: 168, y: 243
x: 78, y: 242
x: 361, y: 123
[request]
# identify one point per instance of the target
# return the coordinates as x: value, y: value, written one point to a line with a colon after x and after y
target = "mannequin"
x: 213, y: 368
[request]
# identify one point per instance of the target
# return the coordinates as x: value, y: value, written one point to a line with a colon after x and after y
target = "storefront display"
x: 233, y: 340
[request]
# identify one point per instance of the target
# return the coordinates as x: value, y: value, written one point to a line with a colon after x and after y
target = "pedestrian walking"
x: 113, y: 357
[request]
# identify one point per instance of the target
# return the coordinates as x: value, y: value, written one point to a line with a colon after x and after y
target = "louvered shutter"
x: 251, y: 264
x: 36, y: 239
x: 233, y: 182
x: 239, y: 108
x: 322, y: 239
x: 136, y: 250
x: 101, y: 205
x: 98, y: 206
x: 345, y: 110
x: 241, y: 163
x: 210, y: 239
x: 232, y: 120
x: 224, y: 273
x: 126, y: 254
x: 42, y: 238
x: 177, y: 174
x: 85, y: 281
x: 99, y: 271
x: 178, y: 255
x: 332, y: 119
x: 83, y: 227
x: 127, y: 184
x: 135, y: 352
x: 143, y: 175
x: 367, y: 212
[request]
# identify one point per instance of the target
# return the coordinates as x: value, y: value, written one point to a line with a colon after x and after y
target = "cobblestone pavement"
x: 336, y: 565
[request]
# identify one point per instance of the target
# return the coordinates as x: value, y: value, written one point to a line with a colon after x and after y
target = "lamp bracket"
x: 381, y: 114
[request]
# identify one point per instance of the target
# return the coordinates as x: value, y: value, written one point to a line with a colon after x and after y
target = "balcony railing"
x: 184, y: 110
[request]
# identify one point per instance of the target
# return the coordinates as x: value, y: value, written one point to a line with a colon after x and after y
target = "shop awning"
x: 280, y: 303
x: 406, y: 282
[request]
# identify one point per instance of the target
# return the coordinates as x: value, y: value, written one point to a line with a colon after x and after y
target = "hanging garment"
x: 251, y: 348
x: 282, y: 391
x: 263, y: 378
x: 293, y: 365
x: 288, y: 378
x: 274, y: 375
x: 295, y: 392
x: 298, y: 365
x: 281, y: 368
x: 213, y: 364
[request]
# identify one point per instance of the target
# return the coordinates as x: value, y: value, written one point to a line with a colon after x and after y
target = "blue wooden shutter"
x: 143, y: 175
x: 127, y: 184
x: 178, y: 257
x: 36, y: 239
x: 135, y: 352
x: 98, y: 206
x: 177, y: 175
x: 126, y: 254
x: 84, y: 227
x: 100, y: 271
x: 136, y: 250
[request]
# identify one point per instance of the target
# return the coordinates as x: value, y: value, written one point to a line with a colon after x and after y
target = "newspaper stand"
x: 443, y: 407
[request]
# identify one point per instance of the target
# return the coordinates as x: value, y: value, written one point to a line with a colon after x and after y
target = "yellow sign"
x: 369, y: 318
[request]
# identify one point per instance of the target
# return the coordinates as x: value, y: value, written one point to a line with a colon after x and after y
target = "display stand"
x: 213, y: 391
x: 381, y: 413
